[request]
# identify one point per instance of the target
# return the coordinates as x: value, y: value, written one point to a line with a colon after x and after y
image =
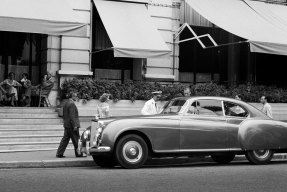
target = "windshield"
x: 173, y: 106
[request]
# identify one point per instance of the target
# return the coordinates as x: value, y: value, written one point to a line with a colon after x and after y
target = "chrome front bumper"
x: 100, y: 149
x: 87, y: 149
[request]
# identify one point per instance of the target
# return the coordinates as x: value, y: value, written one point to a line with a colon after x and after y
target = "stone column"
x: 165, y: 14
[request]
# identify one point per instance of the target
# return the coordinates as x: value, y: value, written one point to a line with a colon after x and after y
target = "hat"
x: 104, y: 97
x: 156, y: 92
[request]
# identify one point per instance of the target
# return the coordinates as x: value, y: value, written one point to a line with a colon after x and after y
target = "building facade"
x: 107, y: 51
x: 232, y: 61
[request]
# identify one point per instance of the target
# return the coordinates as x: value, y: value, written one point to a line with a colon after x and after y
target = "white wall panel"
x: 53, y: 55
x: 75, y: 43
x: 160, y: 62
x: 53, y: 42
x: 161, y: 71
x: 74, y: 67
x: 74, y: 56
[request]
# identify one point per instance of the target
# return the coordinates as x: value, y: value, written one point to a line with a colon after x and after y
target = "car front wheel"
x: 259, y: 157
x: 131, y: 151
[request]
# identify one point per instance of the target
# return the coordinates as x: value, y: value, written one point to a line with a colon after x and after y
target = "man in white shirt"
x: 266, y: 107
x: 150, y: 107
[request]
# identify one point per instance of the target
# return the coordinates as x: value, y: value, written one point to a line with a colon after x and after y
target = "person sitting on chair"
x: 193, y: 109
x: 11, y: 93
x: 47, y: 82
x: 46, y: 86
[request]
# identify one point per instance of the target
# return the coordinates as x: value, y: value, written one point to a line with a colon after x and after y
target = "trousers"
x: 69, y: 134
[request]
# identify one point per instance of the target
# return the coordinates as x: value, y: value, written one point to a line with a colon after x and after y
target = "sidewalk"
x: 43, y: 159
x: 47, y: 159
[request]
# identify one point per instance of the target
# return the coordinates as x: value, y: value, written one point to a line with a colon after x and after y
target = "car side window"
x: 206, y: 107
x: 234, y: 110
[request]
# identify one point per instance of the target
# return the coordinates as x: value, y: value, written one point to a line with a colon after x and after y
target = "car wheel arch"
x: 136, y: 132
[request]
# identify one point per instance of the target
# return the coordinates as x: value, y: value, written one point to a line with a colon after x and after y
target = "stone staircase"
x: 30, y: 129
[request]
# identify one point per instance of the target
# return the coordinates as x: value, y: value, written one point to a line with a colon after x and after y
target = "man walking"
x: 150, y: 107
x: 71, y: 126
x: 266, y: 107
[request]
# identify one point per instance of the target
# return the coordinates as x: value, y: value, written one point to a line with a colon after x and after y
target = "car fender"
x: 115, y: 129
x: 262, y: 134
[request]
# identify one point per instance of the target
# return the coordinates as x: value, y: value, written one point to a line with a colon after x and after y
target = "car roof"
x: 250, y: 108
x: 210, y: 97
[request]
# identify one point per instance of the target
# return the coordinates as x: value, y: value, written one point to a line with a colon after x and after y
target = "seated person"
x: 45, y: 87
x: 2, y: 96
x: 47, y: 82
x: 11, y: 93
x: 193, y: 108
x: 26, y: 90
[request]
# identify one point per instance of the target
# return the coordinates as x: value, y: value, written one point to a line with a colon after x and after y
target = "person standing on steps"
x: 71, y: 126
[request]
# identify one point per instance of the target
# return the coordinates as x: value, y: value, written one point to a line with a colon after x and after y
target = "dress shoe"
x: 60, y: 156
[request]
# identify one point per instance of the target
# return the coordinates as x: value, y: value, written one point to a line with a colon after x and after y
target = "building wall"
x: 68, y: 56
x: 165, y: 14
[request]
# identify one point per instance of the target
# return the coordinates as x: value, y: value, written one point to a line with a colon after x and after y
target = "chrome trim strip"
x: 100, y: 149
x: 198, y: 150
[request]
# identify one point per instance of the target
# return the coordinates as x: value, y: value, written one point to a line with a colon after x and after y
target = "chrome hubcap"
x: 132, y: 151
x: 262, y: 154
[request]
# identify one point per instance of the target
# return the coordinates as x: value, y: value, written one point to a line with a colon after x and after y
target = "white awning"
x: 263, y: 25
x: 131, y: 30
x: 54, y: 17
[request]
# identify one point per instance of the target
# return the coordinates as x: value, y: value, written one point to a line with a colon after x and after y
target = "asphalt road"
x: 239, y: 176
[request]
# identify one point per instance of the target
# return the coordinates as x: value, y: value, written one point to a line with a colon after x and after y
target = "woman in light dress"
x: 103, y: 107
x: 11, y: 90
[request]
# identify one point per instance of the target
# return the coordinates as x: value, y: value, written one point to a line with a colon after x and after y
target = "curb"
x: 91, y: 163
x: 46, y: 164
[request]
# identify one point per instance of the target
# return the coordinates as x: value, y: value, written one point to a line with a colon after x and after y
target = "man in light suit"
x: 71, y: 126
x: 150, y: 107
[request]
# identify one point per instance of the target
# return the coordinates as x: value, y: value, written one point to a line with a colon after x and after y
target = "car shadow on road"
x: 191, y: 162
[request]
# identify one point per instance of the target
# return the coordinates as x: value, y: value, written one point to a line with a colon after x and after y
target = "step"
x: 31, y: 127
x: 27, y: 148
x: 28, y: 115
x: 39, y: 126
x: 27, y: 110
x: 50, y: 121
x: 32, y: 147
x: 20, y: 132
x: 30, y: 138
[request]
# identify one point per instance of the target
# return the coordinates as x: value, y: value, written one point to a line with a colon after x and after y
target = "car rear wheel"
x: 223, y: 158
x: 259, y: 157
x: 104, y: 161
x: 131, y: 151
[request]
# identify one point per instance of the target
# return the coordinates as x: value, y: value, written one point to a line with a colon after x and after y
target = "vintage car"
x: 187, y: 126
